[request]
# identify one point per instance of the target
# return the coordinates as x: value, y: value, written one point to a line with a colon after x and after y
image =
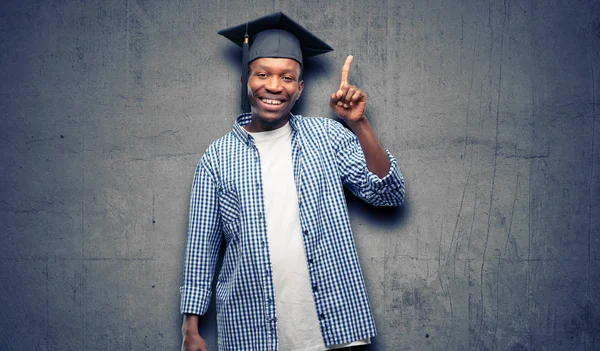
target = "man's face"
x: 274, y: 85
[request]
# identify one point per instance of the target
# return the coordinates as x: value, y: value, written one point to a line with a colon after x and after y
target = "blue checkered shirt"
x: 227, y: 203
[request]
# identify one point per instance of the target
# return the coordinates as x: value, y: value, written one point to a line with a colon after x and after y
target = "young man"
x: 273, y: 189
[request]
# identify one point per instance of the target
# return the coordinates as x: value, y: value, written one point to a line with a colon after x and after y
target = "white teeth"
x: 271, y: 102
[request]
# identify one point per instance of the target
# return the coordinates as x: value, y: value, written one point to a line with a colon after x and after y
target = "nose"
x: 273, y: 84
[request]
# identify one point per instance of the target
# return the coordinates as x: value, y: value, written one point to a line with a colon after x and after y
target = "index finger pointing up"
x: 346, y: 69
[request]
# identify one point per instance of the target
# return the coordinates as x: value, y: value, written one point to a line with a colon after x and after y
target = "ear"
x: 300, y: 87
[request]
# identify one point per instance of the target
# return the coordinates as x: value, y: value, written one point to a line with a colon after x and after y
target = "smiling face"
x: 274, y: 85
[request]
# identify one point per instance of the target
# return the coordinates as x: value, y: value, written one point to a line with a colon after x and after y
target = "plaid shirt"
x: 227, y: 203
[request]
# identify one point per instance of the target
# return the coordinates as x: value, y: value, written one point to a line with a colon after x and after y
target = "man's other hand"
x: 192, y: 341
x: 348, y: 102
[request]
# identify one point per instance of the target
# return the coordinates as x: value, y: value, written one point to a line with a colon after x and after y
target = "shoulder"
x: 313, y: 121
x: 319, y: 124
x: 328, y: 128
x: 223, y: 144
x: 219, y: 147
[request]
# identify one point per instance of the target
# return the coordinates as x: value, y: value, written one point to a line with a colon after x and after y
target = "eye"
x: 289, y: 78
x: 261, y: 75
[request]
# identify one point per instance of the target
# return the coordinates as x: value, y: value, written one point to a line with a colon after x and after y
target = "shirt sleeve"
x: 352, y: 167
x: 203, y: 241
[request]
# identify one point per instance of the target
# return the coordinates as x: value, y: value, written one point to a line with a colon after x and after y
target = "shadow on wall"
x: 385, y: 217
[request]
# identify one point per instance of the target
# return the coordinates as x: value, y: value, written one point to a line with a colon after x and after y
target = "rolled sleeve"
x: 392, y: 183
x: 194, y: 300
x: 352, y: 167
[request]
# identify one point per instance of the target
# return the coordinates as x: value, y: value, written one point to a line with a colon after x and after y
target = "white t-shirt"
x: 297, y: 323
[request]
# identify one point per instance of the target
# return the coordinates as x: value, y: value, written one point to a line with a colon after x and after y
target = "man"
x: 273, y: 189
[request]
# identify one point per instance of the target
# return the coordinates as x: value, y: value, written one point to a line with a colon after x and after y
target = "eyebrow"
x: 287, y: 70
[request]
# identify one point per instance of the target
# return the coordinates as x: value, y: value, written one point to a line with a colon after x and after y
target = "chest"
x: 245, y: 175
x: 246, y: 169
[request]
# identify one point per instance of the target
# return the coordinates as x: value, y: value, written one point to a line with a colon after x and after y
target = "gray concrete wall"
x: 490, y: 107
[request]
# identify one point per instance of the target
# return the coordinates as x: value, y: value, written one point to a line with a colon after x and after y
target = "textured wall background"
x: 490, y: 107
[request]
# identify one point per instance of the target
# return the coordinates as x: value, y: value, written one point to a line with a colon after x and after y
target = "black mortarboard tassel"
x: 245, y: 100
x: 274, y: 35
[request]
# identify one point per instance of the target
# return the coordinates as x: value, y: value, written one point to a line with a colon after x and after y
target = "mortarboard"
x: 274, y: 35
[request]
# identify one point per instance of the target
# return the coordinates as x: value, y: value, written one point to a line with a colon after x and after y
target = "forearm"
x: 377, y: 159
x: 190, y: 323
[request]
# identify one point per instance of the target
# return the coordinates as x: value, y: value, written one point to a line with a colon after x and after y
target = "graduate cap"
x: 275, y: 35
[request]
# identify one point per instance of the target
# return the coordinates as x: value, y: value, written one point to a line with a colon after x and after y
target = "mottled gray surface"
x: 490, y: 107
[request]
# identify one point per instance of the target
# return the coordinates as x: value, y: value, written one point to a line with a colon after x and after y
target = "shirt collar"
x: 245, y: 118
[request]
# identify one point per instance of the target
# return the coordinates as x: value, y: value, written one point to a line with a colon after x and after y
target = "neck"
x: 258, y: 124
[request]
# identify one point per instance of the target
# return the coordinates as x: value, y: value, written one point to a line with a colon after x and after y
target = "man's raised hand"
x: 348, y: 102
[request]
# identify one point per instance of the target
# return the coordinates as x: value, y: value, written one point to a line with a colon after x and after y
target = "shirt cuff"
x: 392, y: 181
x: 194, y: 300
